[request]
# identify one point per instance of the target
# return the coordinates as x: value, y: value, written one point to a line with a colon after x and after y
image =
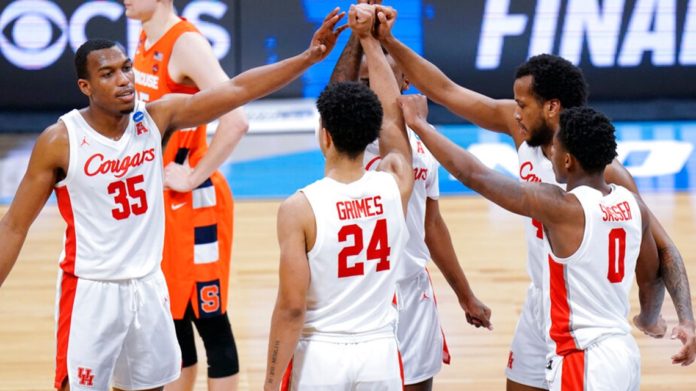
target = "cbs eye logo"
x: 33, y: 33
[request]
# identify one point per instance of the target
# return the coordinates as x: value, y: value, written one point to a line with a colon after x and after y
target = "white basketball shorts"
x: 610, y: 364
x: 526, y: 362
x: 421, y: 340
x: 115, y: 333
x: 372, y: 365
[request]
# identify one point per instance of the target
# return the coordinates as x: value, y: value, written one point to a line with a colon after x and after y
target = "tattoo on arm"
x: 676, y: 281
x: 274, y: 361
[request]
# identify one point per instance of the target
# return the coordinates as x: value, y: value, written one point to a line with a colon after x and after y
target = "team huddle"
x: 148, y: 241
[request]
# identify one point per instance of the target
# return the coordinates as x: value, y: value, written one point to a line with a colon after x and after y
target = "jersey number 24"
x: 378, y: 249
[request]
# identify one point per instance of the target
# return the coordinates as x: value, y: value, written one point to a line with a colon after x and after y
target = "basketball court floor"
x: 488, y: 240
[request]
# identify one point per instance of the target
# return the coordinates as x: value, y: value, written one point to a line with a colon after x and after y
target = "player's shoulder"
x: 53, y: 145
x: 191, y: 42
x: 295, y: 211
x: 56, y: 133
x: 294, y: 206
x: 642, y: 206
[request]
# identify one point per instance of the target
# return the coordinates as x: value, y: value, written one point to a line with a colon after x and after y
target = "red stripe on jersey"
x: 573, y: 372
x: 68, y: 286
x: 287, y: 378
x: 560, y: 310
x: 66, y: 210
x: 371, y: 162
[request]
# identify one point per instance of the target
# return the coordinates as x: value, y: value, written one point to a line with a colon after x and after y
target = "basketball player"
x: 195, y: 267
x: 421, y: 340
x: 544, y: 86
x: 341, y: 240
x: 105, y: 165
x: 596, y: 236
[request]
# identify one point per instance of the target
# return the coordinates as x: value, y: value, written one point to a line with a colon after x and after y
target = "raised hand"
x: 324, y: 39
x: 414, y: 108
x: 687, y: 354
x: 361, y: 19
x: 386, y: 16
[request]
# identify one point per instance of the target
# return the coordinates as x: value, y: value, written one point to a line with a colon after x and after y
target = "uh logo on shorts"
x: 85, y: 376
x: 139, y: 127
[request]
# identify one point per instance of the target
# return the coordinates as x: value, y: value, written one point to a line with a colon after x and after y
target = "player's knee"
x: 187, y: 343
x: 222, y: 360
x: 188, y: 354
x: 220, y: 347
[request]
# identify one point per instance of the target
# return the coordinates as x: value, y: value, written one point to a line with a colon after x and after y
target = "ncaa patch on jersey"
x: 138, y: 116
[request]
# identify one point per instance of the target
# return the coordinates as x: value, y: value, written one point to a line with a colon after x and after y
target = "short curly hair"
x: 588, y: 135
x: 352, y: 114
x: 555, y: 77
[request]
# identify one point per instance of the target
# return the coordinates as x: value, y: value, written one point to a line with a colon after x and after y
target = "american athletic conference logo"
x: 139, y: 127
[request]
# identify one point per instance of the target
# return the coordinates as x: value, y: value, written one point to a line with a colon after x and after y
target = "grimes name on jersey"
x: 98, y: 164
x: 355, y: 209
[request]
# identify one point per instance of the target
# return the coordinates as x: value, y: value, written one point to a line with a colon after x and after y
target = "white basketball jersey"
x: 111, y: 200
x: 535, y: 167
x: 361, y: 234
x: 586, y: 294
x: 425, y: 185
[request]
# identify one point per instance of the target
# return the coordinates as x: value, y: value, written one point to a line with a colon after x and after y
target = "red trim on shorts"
x: 401, y: 371
x: 446, y: 356
x: 371, y: 162
x: 66, y: 210
x: 560, y: 330
x: 287, y: 378
x: 573, y: 372
x: 68, y: 286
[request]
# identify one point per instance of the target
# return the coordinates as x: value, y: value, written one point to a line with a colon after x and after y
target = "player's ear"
x: 553, y: 108
x: 328, y: 141
x: 569, y: 161
x: 84, y: 86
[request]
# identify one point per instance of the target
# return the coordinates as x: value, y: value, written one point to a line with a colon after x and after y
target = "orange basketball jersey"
x: 198, y: 233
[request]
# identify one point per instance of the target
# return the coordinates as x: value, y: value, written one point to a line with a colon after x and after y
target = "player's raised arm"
x: 47, y: 165
x: 348, y: 65
x: 295, y: 219
x: 532, y: 200
x: 177, y: 111
x: 393, y: 141
x: 493, y: 114
x: 205, y: 72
